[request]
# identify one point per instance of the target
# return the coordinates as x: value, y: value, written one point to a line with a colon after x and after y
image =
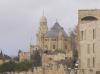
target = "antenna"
x: 43, y: 12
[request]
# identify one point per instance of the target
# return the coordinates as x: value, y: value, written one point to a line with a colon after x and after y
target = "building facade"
x: 55, y: 38
x: 88, y: 41
x: 23, y: 56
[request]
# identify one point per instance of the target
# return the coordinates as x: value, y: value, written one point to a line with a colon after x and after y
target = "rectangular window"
x: 88, y: 48
x: 93, y: 48
x: 53, y: 39
x: 94, y: 34
x: 54, y: 46
x: 65, y: 46
x: 88, y: 62
x: 93, y: 62
x: 82, y: 33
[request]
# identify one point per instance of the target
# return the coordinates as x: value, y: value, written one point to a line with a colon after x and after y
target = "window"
x: 88, y: 48
x: 65, y: 46
x: 53, y: 46
x: 93, y: 48
x: 53, y: 39
x: 82, y: 33
x: 88, y: 62
x: 94, y: 34
x: 89, y: 18
x: 93, y: 62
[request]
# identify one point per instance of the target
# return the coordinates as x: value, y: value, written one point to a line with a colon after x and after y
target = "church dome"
x: 55, y: 31
x: 43, y: 19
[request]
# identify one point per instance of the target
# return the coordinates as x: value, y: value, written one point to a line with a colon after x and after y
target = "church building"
x: 53, y: 39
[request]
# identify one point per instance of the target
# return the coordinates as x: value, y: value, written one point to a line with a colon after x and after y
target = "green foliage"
x: 7, y: 67
x: 12, y: 66
x: 23, y: 66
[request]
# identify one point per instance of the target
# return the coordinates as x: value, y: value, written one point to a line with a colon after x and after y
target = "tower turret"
x: 43, y: 28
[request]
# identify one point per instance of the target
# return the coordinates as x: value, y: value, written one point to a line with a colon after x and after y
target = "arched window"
x: 93, y: 62
x: 54, y: 46
x: 89, y: 18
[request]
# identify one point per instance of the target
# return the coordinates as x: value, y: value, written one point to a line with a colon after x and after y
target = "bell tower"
x: 43, y: 28
x: 43, y: 25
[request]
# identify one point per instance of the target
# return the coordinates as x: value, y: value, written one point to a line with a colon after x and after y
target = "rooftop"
x: 55, y: 30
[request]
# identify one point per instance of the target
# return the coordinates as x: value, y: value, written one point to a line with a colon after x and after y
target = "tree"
x: 18, y: 67
x: 8, y: 67
x: 23, y: 66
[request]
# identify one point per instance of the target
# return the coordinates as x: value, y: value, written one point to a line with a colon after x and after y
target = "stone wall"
x: 46, y: 70
x: 89, y: 41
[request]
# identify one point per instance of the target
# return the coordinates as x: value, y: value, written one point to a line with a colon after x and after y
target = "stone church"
x: 53, y: 39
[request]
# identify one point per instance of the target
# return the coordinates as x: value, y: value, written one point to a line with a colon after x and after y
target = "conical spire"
x: 43, y: 12
x: 43, y: 18
x: 1, y: 52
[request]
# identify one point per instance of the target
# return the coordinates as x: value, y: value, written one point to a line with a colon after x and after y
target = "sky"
x: 19, y: 19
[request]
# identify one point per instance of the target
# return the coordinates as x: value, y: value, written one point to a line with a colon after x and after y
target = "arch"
x: 89, y: 18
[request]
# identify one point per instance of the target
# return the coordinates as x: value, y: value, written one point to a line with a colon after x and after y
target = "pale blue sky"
x: 19, y: 19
